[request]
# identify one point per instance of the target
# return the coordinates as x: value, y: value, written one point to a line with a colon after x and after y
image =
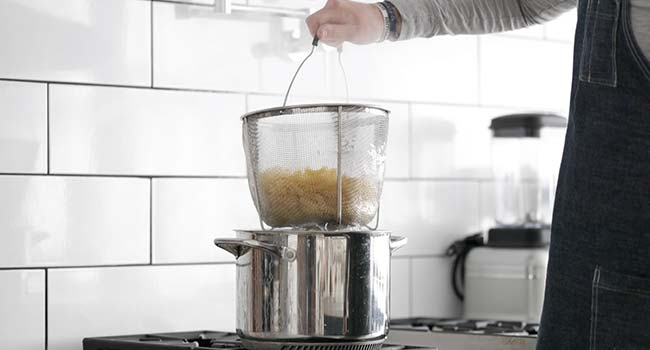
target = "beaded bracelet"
x: 393, y: 15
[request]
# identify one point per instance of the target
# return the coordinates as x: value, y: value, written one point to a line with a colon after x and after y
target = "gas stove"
x: 405, y: 334
x: 456, y: 334
x: 197, y: 340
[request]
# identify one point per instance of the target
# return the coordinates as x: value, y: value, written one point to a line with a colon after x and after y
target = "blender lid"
x: 525, y: 124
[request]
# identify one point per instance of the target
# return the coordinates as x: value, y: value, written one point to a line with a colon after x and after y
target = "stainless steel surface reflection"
x: 306, y: 285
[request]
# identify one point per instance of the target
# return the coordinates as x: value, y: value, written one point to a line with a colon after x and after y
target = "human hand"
x: 343, y: 20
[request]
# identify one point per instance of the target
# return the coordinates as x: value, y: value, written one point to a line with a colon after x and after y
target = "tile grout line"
x: 191, y: 263
x: 151, y: 221
x: 46, y: 308
x: 60, y: 267
x: 259, y: 93
x: 218, y: 177
x: 151, y: 37
x: 141, y: 87
x: 118, y: 176
x: 411, y: 141
x: 47, y: 125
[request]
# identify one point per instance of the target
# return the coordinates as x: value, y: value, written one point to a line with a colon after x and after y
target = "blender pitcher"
x: 526, y: 153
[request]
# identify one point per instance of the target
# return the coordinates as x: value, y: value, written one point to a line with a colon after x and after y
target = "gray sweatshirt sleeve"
x: 426, y: 18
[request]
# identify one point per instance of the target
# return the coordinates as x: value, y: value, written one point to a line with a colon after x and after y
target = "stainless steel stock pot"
x: 316, y: 289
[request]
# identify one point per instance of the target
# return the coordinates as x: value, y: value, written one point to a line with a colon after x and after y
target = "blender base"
x: 519, y: 236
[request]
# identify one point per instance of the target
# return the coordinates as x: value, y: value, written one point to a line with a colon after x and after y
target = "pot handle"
x: 239, y: 247
x: 397, y: 242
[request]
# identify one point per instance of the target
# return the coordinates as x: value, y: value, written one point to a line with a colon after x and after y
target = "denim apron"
x: 598, y: 285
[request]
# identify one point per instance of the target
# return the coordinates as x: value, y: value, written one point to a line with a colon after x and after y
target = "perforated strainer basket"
x: 316, y: 165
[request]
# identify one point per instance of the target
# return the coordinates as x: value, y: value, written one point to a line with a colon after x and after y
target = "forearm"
x: 426, y: 18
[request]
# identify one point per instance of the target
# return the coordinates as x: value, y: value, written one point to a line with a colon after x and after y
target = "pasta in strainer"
x: 309, y: 197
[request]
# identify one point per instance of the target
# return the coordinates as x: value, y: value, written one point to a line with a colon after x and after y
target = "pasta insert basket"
x: 316, y: 166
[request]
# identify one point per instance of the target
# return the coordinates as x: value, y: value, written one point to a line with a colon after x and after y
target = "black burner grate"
x: 201, y: 340
x: 507, y: 328
x: 205, y: 340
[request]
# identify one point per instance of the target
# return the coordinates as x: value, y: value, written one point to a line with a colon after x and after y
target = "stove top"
x: 405, y: 334
x: 196, y: 340
x: 456, y: 334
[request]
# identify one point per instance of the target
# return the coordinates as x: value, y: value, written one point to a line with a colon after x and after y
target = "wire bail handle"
x: 314, y: 43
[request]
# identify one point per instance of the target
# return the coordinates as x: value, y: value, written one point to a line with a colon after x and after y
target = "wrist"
x: 385, y: 22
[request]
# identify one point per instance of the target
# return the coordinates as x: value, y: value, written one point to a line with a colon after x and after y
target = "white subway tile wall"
x: 23, y: 127
x: 431, y: 214
x: 431, y: 283
x: 524, y: 73
x: 452, y: 141
x: 22, y: 309
x: 68, y: 221
x: 440, y: 70
x: 82, y: 41
x: 109, y: 130
x: 127, y: 300
x: 400, y: 287
x: 194, y: 47
x: 188, y: 214
x: 121, y: 156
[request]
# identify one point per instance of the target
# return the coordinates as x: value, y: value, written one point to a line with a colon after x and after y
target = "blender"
x: 505, y: 278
